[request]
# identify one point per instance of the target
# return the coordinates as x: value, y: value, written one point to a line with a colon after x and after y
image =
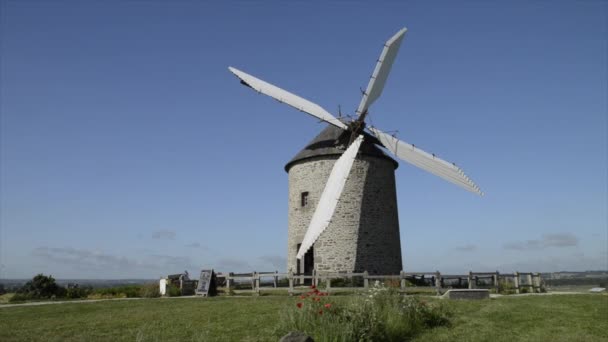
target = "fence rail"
x: 520, y: 281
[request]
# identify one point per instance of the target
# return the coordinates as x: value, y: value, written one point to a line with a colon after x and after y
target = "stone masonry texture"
x: 364, y: 232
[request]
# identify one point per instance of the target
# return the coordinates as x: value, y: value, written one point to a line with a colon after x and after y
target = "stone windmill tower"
x: 342, y: 198
x: 363, y: 234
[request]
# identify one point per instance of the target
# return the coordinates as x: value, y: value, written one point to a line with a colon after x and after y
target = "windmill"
x: 357, y: 228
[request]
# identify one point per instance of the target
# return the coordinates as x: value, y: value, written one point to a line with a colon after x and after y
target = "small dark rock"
x: 296, y: 336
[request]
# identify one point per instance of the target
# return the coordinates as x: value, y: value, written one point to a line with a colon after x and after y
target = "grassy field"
x: 527, y: 318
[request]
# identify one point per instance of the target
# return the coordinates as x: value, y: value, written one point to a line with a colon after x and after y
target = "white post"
x: 438, y: 282
x: 290, y: 277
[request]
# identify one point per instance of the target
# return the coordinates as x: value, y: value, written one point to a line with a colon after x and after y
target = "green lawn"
x: 530, y: 318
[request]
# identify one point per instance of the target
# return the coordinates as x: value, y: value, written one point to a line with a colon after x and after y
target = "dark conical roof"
x: 333, y: 141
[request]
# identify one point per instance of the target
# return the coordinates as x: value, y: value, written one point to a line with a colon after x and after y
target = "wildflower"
x: 313, y: 287
x: 299, y: 305
x: 302, y: 297
x: 327, y: 305
x: 320, y: 312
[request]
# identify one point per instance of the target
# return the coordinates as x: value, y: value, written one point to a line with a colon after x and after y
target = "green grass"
x: 529, y: 318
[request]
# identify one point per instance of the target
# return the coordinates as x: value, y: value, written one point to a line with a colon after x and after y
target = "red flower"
x: 327, y: 305
x: 320, y: 312
x: 299, y: 305
x: 302, y: 297
x: 313, y: 287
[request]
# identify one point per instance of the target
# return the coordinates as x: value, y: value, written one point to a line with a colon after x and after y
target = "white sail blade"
x: 330, y: 196
x: 426, y: 161
x: 383, y: 68
x: 286, y: 97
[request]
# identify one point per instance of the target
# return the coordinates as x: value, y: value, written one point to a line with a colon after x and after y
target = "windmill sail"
x: 383, y: 68
x: 330, y: 196
x: 426, y: 161
x: 286, y: 97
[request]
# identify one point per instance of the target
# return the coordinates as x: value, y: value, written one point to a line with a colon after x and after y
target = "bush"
x: 380, y: 314
x: 18, y: 298
x: 173, y: 291
x: 149, y: 291
x: 127, y: 291
x: 41, y: 287
x: 75, y: 291
x: 506, y: 287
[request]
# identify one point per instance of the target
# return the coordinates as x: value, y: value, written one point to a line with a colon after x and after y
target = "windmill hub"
x: 342, y: 197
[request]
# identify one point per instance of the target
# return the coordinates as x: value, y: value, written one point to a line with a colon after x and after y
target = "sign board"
x: 204, y: 283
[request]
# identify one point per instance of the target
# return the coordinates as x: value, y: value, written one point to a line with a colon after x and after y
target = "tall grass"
x: 380, y: 314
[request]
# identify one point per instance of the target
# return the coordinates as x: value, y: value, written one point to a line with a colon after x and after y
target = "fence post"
x: 516, y: 282
x: 365, y: 280
x: 470, y: 280
x: 529, y: 281
x: 496, y: 278
x: 228, y: 276
x: 290, y: 277
x: 536, y: 282
x: 438, y: 282
x: 276, y: 279
x: 328, y: 282
x: 402, y: 276
x: 257, y: 283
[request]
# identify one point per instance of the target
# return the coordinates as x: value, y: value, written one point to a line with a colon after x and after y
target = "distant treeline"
x: 43, y: 287
x: 600, y: 282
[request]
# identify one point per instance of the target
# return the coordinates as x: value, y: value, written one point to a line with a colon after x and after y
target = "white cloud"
x: 82, y: 263
x: 164, y: 234
x: 466, y: 248
x: 548, y: 240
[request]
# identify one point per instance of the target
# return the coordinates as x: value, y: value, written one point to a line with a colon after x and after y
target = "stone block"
x: 467, y: 294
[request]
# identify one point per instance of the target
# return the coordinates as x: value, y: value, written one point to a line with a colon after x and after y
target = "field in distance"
x: 582, y: 317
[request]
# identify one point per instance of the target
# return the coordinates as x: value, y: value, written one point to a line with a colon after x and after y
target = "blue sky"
x: 128, y: 150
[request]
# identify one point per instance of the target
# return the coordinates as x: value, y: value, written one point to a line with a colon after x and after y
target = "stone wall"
x: 364, y: 232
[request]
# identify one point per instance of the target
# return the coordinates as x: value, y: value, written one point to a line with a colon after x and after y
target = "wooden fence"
x: 255, y: 282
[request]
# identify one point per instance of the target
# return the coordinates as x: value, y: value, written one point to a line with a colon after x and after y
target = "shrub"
x: 2, y: 289
x: 347, y: 282
x: 127, y: 291
x: 380, y: 314
x: 173, y: 291
x: 75, y: 291
x: 41, y: 287
x: 19, y: 298
x: 506, y: 287
x: 149, y: 291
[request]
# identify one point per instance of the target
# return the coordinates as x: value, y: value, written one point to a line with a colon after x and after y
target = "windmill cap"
x: 329, y: 141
